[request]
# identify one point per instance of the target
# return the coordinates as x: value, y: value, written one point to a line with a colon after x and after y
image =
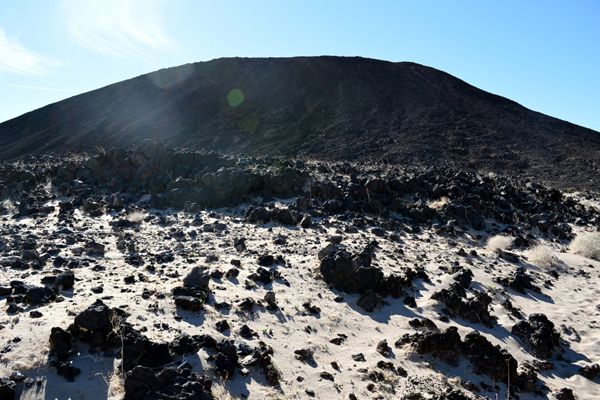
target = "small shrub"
x: 542, y: 256
x: 9, y: 205
x: 135, y: 217
x: 587, y: 244
x: 499, y: 242
x: 439, y: 203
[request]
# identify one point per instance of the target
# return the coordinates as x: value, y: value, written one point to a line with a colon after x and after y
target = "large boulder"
x: 344, y: 272
x: 7, y: 389
x: 258, y: 215
x: 65, y: 280
x: 489, y: 359
x: 197, y: 278
x: 96, y: 324
x: 194, y: 292
x: 538, y: 334
x: 31, y: 295
x: 138, y: 350
x: 142, y: 383
x: 444, y: 345
x: 61, y: 344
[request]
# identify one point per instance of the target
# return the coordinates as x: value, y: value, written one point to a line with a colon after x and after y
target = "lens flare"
x: 235, y: 97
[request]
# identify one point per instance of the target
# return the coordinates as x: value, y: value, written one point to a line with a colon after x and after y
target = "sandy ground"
x: 571, y: 302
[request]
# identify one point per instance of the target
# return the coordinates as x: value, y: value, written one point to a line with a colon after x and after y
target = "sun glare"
x: 235, y: 97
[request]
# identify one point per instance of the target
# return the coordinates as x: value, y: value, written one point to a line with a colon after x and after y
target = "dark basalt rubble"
x: 389, y: 203
x: 194, y: 292
x: 347, y: 272
x: 7, y: 389
x: 176, y: 383
x: 355, y: 274
x: 519, y: 281
x: 283, y: 216
x: 538, y: 334
x: 485, y: 358
x: 104, y: 329
x: 30, y: 295
x: 149, y: 367
x: 191, y: 179
x: 591, y: 371
x: 457, y: 303
x: 98, y: 324
x: 444, y: 345
x: 565, y: 394
x: 61, y: 344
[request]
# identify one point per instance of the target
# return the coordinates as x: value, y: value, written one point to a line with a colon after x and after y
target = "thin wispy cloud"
x: 16, y: 58
x: 130, y: 28
x: 41, y: 88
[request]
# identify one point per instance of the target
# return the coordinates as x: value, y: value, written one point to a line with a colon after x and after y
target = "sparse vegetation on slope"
x: 587, y: 244
x: 542, y: 256
x: 499, y: 243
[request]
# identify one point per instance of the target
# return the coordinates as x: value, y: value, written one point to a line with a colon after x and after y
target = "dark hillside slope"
x: 324, y: 107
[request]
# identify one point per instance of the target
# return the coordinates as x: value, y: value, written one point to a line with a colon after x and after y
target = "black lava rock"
x: 142, y: 383
x: 538, y: 334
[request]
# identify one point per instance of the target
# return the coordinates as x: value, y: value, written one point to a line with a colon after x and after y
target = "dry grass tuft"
x: 499, y: 242
x: 116, y: 386
x: 135, y: 217
x: 542, y: 256
x: 439, y: 203
x: 587, y: 244
x: 220, y: 392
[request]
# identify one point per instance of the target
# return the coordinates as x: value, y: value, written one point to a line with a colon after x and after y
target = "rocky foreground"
x: 172, y: 274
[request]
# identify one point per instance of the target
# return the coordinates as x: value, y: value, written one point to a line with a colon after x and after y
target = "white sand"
x: 572, y: 301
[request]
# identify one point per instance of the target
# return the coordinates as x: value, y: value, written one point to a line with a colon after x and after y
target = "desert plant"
x: 9, y: 205
x: 116, y: 386
x: 439, y: 203
x: 587, y: 244
x: 135, y: 217
x: 542, y: 256
x: 498, y: 243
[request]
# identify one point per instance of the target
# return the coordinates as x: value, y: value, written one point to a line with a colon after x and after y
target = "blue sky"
x: 542, y: 54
